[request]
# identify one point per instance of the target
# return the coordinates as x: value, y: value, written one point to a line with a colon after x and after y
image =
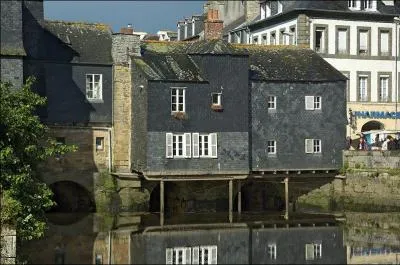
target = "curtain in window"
x: 342, y: 40
x: 384, y: 42
x: 364, y: 40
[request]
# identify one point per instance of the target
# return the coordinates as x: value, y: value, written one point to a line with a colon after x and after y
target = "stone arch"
x: 372, y: 125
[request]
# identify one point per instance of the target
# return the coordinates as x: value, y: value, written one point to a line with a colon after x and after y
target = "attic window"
x: 64, y: 38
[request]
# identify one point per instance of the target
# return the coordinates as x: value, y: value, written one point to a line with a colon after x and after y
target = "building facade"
x: 359, y: 38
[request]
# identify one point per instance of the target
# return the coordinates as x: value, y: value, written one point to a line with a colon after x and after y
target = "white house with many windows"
x: 360, y: 38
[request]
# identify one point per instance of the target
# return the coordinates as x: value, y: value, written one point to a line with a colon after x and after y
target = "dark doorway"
x: 372, y: 125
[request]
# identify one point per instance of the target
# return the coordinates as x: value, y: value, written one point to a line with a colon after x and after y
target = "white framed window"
x: 384, y: 42
x: 94, y: 86
x: 363, y: 88
x: 292, y: 36
x: 354, y: 4
x: 271, y: 147
x: 280, y: 7
x: 313, y: 251
x: 363, y: 45
x: 384, y: 88
x: 313, y: 146
x: 178, y: 99
x: 265, y: 9
x: 264, y: 39
x: 313, y: 102
x: 272, y: 251
x: 204, y: 255
x: 320, y: 40
x: 178, y: 255
x: 271, y: 102
x: 99, y: 143
x: 216, y: 98
x: 178, y: 145
x: 369, y: 5
x: 272, y: 38
x: 342, y: 41
x: 205, y: 145
x: 255, y: 40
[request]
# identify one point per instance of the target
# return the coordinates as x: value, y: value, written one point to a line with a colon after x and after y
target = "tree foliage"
x: 23, y: 145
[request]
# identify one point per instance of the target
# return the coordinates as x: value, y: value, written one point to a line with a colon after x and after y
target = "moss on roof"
x: 82, y: 25
x: 12, y: 51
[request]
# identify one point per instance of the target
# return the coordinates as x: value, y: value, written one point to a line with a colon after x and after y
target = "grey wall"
x: 33, y: 15
x: 243, y: 245
x: 232, y: 245
x: 233, y: 156
x: 12, y: 70
x: 66, y: 94
x: 291, y: 245
x: 11, y: 27
x: 291, y: 124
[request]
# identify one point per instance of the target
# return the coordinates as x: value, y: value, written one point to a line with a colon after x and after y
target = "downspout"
x: 112, y: 120
x: 109, y: 151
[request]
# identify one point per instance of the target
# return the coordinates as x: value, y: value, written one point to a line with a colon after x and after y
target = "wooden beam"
x: 239, y: 203
x: 287, y: 198
x: 161, y: 203
x: 230, y: 200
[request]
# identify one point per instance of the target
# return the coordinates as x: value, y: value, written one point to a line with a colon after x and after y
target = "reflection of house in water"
x: 249, y: 239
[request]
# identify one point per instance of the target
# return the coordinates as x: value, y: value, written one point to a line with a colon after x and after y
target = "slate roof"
x: 331, y: 7
x: 81, y: 41
x: 288, y: 63
x: 169, y: 66
x: 196, y: 47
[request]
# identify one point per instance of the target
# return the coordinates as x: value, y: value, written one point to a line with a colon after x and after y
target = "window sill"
x: 94, y: 101
x: 179, y: 115
x: 217, y: 108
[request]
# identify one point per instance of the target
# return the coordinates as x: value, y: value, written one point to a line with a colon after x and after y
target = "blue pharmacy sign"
x: 377, y: 114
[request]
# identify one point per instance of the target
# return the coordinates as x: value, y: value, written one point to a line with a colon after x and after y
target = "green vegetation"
x: 23, y: 145
x: 107, y: 200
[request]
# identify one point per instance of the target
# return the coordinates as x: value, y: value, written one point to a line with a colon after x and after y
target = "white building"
x: 360, y: 38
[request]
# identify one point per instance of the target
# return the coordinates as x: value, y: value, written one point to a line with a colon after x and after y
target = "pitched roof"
x: 288, y: 63
x: 78, y: 42
x: 191, y: 47
x: 168, y: 66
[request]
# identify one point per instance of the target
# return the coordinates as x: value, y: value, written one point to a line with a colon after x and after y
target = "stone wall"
x: 303, y: 30
x: 12, y: 71
x: 371, y: 159
x: 8, y: 245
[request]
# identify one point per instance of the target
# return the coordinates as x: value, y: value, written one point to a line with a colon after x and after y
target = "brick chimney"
x: 128, y: 30
x: 213, y: 25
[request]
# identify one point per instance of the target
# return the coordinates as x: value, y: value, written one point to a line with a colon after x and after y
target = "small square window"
x: 94, y: 87
x: 216, y: 99
x: 99, y: 143
x: 313, y: 102
x: 271, y: 102
x: 271, y: 148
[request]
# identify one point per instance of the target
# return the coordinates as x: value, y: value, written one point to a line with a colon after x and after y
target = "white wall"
x: 276, y: 27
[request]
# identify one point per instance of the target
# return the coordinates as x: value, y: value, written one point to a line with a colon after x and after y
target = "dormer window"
x: 369, y: 5
x: 354, y: 4
x: 280, y: 7
x: 265, y: 9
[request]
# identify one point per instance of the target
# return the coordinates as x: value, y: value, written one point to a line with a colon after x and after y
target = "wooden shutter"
x: 213, y: 145
x: 195, y: 139
x: 309, y: 100
x: 168, y: 256
x: 309, y: 146
x: 309, y: 251
x: 168, y: 146
x: 195, y: 255
x: 214, y: 255
x: 188, y: 256
x: 188, y: 145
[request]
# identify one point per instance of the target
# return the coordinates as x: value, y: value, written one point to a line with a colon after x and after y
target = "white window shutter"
x: 168, y: 146
x: 168, y: 256
x: 309, y: 251
x: 195, y: 140
x: 195, y: 255
x: 309, y: 146
x: 309, y: 102
x: 214, y: 255
x: 213, y: 144
x: 188, y: 145
x: 188, y: 256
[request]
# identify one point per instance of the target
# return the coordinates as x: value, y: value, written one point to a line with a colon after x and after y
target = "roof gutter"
x: 166, y: 178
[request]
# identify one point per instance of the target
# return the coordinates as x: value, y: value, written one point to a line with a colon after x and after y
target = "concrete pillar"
x: 162, y: 202
x: 239, y: 203
x: 230, y: 200
x: 286, y: 198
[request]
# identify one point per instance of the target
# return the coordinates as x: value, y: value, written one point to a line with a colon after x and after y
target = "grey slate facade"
x: 246, y: 76
x: 244, y: 245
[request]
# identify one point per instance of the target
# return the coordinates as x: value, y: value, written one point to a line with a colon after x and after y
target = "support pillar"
x: 286, y: 198
x: 239, y: 203
x: 161, y: 202
x: 230, y: 200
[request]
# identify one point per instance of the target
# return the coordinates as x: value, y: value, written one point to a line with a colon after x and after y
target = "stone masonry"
x: 123, y: 46
x: 303, y: 30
